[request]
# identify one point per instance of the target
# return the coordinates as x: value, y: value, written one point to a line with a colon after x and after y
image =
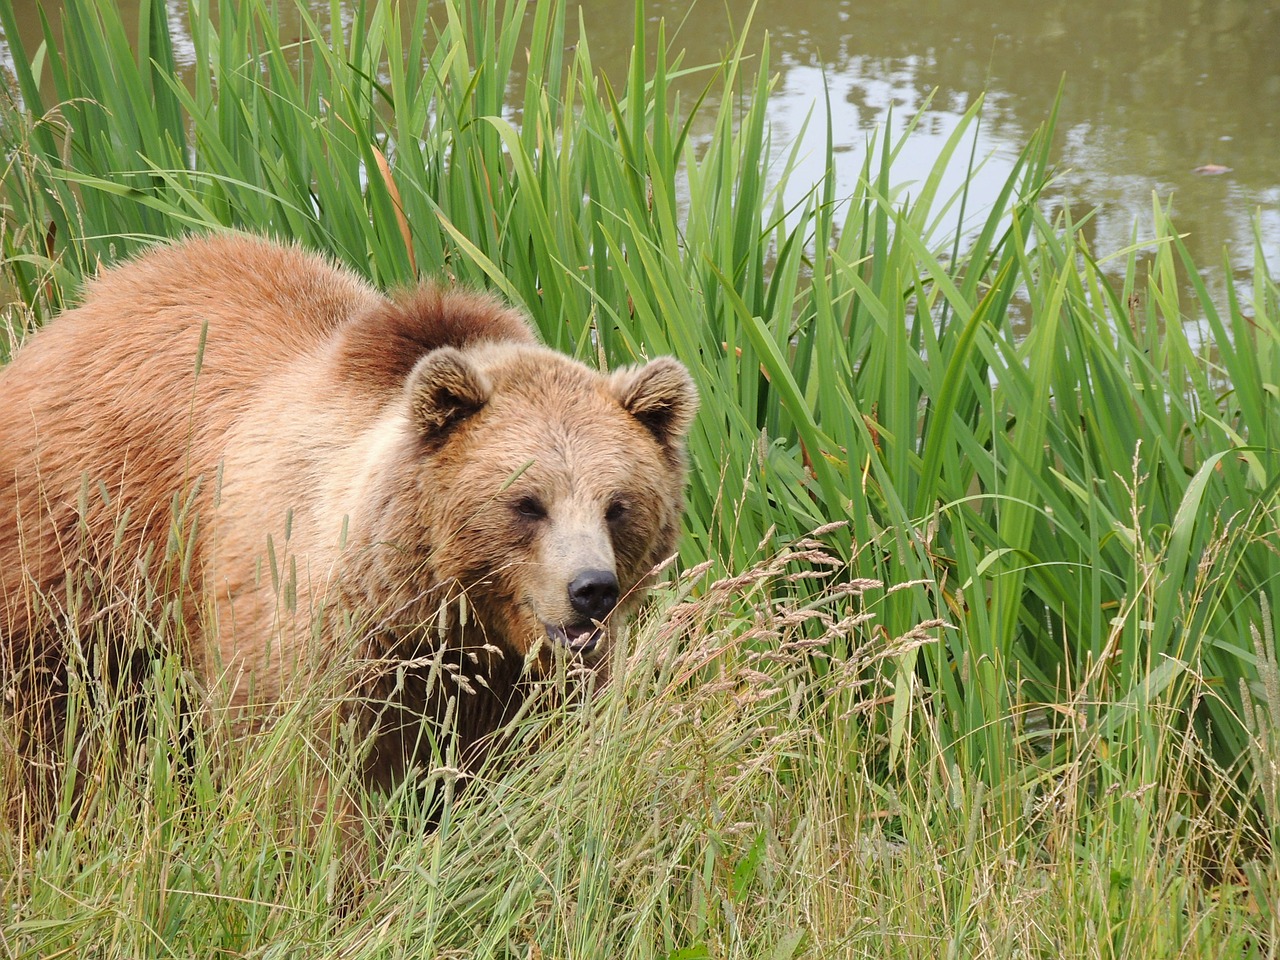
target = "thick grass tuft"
x: 721, y: 796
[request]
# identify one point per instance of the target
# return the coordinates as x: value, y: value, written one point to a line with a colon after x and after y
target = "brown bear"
x: 246, y: 441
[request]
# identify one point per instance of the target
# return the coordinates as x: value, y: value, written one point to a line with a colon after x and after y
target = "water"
x: 1154, y: 91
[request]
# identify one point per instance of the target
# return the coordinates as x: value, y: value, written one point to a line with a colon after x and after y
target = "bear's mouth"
x: 579, y: 637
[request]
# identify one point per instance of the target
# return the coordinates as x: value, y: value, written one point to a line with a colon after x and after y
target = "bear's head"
x: 550, y: 491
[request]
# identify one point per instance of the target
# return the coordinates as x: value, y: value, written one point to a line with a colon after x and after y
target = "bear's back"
x: 134, y: 391
x: 257, y: 304
x: 191, y: 324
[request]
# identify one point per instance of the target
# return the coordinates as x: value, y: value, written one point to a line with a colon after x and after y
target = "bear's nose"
x: 593, y: 593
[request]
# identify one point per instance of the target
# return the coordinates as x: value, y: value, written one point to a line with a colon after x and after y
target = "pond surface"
x: 1153, y: 91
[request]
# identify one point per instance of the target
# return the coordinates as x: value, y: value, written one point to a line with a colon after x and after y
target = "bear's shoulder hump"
x: 379, y: 348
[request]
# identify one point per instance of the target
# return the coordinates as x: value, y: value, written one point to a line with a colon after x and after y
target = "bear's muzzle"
x: 592, y: 595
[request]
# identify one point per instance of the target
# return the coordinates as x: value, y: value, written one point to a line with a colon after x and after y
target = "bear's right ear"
x: 444, y: 389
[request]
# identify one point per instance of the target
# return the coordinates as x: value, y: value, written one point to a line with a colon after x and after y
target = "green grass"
x: 720, y: 798
x: 1076, y: 759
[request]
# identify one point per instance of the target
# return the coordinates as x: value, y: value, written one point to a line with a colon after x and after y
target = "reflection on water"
x: 1153, y: 89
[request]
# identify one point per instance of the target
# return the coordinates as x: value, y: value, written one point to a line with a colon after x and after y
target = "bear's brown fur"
x: 304, y: 469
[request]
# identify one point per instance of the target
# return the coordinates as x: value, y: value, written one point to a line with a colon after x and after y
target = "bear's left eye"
x: 616, y: 511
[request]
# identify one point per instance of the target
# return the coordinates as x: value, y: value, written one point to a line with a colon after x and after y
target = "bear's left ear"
x: 661, y: 395
x: 444, y: 389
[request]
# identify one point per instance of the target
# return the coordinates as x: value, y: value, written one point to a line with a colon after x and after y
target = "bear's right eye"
x: 530, y: 508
